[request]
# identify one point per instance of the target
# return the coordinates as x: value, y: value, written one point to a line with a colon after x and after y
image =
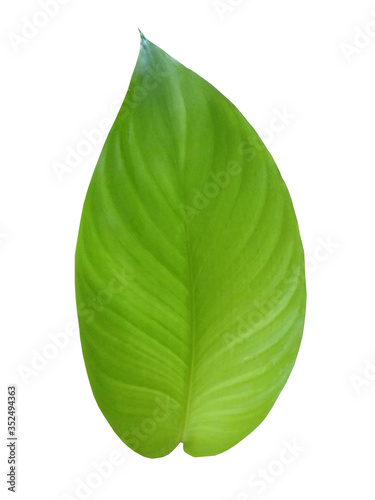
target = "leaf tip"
x: 143, y: 38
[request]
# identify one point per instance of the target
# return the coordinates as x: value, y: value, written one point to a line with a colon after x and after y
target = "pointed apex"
x: 143, y: 38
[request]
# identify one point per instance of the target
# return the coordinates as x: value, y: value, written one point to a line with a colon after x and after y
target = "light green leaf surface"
x: 189, y: 268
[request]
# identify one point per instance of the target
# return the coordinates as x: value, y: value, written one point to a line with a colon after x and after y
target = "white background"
x: 266, y: 56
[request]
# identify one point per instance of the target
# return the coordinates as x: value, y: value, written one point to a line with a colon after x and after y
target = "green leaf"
x: 189, y: 268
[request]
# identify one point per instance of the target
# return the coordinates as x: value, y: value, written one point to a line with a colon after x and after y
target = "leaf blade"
x: 188, y: 203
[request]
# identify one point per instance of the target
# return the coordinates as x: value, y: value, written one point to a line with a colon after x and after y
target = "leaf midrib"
x: 179, y: 161
x: 192, y: 329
